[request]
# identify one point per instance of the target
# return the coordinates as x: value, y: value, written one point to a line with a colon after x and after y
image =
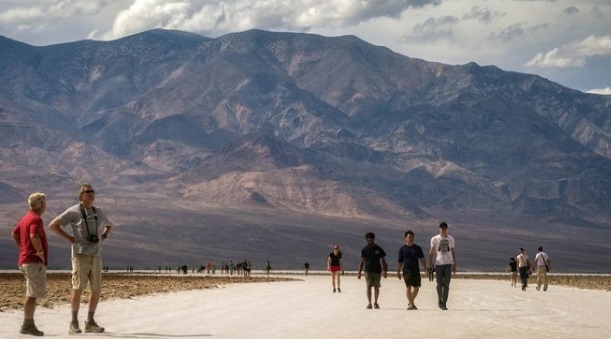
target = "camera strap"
x: 95, y: 216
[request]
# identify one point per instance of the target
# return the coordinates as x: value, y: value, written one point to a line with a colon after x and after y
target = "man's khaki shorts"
x: 35, y: 279
x: 86, y: 268
x: 373, y: 279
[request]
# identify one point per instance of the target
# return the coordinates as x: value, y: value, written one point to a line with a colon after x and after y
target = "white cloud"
x: 573, y: 54
x: 19, y: 15
x: 216, y: 18
x: 603, y: 91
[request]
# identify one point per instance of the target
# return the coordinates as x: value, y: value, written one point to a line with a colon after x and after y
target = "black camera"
x: 93, y: 238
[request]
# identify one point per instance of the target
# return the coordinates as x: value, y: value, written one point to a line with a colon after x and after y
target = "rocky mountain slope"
x: 299, y: 124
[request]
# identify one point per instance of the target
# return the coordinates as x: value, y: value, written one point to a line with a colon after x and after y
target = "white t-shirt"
x: 522, y: 260
x: 443, y: 247
x: 541, y: 258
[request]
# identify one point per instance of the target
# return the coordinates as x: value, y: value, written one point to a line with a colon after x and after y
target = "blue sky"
x: 565, y: 41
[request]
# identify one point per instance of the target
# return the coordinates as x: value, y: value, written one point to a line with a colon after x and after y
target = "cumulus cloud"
x: 603, y: 91
x: 27, y: 12
x: 221, y: 17
x: 571, y: 10
x: 573, y: 54
x: 481, y: 14
x: 516, y: 31
x: 433, y: 29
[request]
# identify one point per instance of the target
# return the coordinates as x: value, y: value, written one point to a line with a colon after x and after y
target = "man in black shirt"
x: 374, y: 263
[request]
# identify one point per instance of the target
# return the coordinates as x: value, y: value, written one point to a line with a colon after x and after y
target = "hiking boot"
x: 92, y: 327
x: 28, y: 327
x: 74, y: 329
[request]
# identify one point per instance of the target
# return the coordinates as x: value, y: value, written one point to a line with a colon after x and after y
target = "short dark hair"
x: 370, y: 235
x: 408, y: 232
x: 541, y: 248
x: 443, y: 224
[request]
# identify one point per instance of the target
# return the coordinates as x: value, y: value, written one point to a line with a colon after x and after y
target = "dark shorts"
x: 373, y: 279
x: 412, y: 279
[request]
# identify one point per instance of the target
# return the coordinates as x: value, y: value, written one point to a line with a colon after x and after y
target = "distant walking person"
x: 90, y: 227
x: 30, y: 236
x: 306, y: 267
x: 513, y: 269
x: 335, y: 265
x: 409, y: 254
x: 374, y: 263
x: 442, y: 254
x: 543, y: 266
x: 268, y: 267
x: 524, y: 267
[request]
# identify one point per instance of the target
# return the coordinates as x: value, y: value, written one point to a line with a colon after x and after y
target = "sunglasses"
x: 89, y: 192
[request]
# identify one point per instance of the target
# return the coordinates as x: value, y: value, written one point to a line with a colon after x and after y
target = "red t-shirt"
x: 31, y: 223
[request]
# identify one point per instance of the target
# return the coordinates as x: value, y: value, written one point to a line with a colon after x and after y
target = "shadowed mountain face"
x: 300, y: 128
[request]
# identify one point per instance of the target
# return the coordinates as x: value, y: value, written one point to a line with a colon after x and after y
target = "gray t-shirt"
x: 96, y: 221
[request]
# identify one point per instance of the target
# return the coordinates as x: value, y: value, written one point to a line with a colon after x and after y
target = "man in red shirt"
x: 29, y: 235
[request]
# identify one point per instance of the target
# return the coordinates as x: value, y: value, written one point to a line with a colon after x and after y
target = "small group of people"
x: 523, y: 267
x: 442, y: 259
x: 90, y: 227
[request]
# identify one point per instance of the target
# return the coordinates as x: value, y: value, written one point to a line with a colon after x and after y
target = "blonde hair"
x: 36, y: 201
x: 82, y: 190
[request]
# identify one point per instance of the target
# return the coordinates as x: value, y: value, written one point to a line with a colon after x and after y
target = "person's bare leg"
x: 94, y: 298
x: 29, y: 306
x: 75, y: 300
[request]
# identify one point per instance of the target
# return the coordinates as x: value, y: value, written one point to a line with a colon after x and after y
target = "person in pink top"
x: 30, y: 237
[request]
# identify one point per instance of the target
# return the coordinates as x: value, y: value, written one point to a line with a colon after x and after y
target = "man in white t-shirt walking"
x: 443, y: 256
x: 542, y: 263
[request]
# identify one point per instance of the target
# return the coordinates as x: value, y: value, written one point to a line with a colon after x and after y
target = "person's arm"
x: 399, y: 267
x: 37, y: 244
x: 453, y: 259
x: 423, y: 262
x: 384, y: 267
x: 431, y: 255
x: 106, y: 231
x: 56, y: 228
x: 16, y: 237
x: 361, y: 265
x: 329, y: 263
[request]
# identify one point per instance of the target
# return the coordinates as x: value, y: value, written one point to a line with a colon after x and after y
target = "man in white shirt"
x: 443, y: 256
x: 543, y: 265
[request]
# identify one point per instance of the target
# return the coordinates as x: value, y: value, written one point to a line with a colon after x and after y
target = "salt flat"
x: 307, y: 308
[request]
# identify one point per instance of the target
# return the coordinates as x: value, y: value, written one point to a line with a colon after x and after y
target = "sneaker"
x: 443, y: 307
x: 74, y: 329
x: 414, y: 307
x: 339, y: 290
x: 333, y: 290
x: 411, y: 307
x: 376, y: 305
x: 92, y: 327
x: 30, y: 328
x: 368, y: 306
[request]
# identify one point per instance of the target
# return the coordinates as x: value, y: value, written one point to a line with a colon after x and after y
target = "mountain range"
x: 274, y: 146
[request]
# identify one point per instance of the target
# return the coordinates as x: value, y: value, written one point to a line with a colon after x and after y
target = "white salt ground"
x: 308, y: 309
